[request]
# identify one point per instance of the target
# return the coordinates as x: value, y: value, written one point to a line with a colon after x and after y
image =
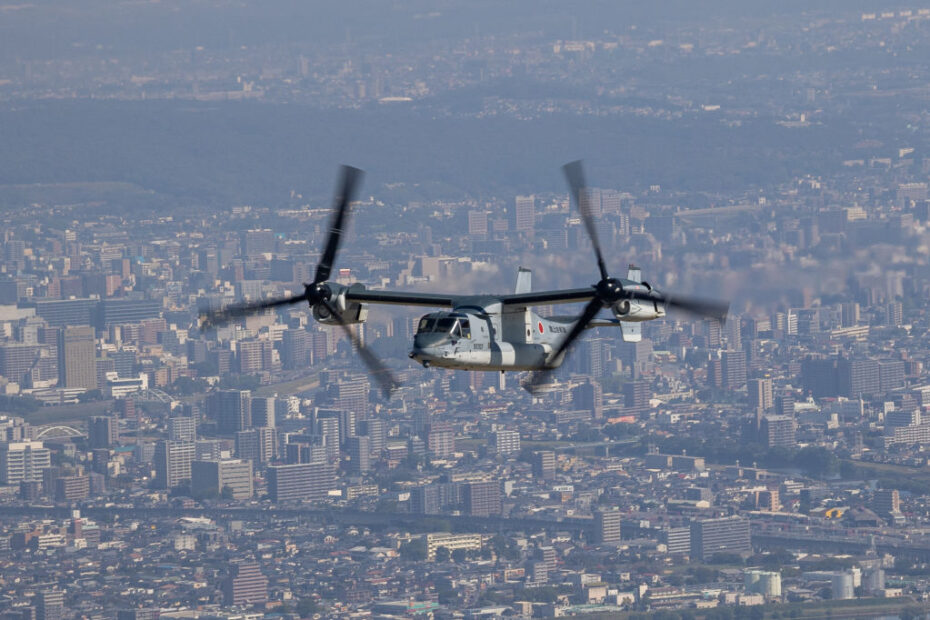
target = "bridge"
x: 55, y: 431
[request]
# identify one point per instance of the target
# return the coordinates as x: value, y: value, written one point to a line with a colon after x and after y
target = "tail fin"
x: 524, y: 281
x: 635, y: 274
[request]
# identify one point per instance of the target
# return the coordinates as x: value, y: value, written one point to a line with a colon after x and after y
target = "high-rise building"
x: 440, y: 442
x: 208, y: 449
x: 224, y: 478
x: 352, y: 395
x: 263, y: 412
x: 102, y: 431
x: 524, y: 214
x: 636, y: 395
x: 505, y: 442
x: 374, y: 430
x: 72, y: 488
x: 482, y: 499
x: 328, y: 429
x: 305, y: 481
x: 607, y: 527
x: 887, y: 502
x: 296, y: 349
x: 589, y: 396
x: 77, y: 354
x: 478, y: 223
x: 245, y: 585
x: 544, y: 465
x: 18, y: 359
x: 425, y: 500
x: 760, y: 394
x: 173, y: 463
x: 232, y: 410
x: 258, y: 445
x: 677, y: 540
x: 733, y: 369
x: 775, y: 430
x: 359, y: 449
x: 254, y: 356
x: 50, y: 605
x: 858, y: 377
x: 724, y: 535
x: 23, y: 461
x: 182, y: 429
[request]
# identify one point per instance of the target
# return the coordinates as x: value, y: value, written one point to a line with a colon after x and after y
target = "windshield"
x: 426, y: 325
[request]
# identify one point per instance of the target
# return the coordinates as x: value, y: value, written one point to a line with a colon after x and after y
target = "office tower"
x: 182, y: 429
x: 505, y: 443
x: 857, y: 377
x: 245, y: 585
x: 263, y: 412
x: 777, y: 430
x: 232, y: 410
x: 425, y: 500
x: 524, y: 214
x: 724, y: 535
x: 887, y: 502
x: 733, y: 369
x: 352, y: 395
x: 482, y: 499
x: 50, y: 605
x: 304, y: 481
x: 544, y: 465
x: 677, y: 540
x: 296, y: 349
x: 100, y: 461
x: 589, y: 396
x: 760, y: 394
x: 890, y: 375
x: 374, y: 430
x: 593, y: 357
x: 77, y: 357
x: 359, y: 449
x: 607, y: 527
x: 102, y: 431
x: 173, y: 463
x: 227, y: 478
x: 257, y: 241
x: 23, y: 461
x: 328, y: 428
x: 258, y: 445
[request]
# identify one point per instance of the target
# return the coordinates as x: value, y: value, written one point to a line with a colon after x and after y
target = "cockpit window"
x: 426, y: 325
x: 445, y: 325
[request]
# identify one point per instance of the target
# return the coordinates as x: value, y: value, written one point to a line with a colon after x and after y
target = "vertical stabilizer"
x: 635, y: 274
x: 631, y: 332
x: 524, y: 281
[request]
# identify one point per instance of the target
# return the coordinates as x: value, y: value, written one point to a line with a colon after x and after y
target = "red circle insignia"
x: 540, y: 327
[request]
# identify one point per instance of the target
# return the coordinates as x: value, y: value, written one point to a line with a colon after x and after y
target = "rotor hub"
x: 610, y: 290
x: 318, y: 292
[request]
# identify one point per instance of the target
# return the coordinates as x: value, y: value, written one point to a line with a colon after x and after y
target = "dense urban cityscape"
x: 153, y: 465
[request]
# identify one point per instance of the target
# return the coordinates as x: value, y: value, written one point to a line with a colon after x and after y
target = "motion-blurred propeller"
x: 318, y: 293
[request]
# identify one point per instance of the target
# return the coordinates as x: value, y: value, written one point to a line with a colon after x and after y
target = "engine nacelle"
x: 636, y: 310
x: 349, y: 311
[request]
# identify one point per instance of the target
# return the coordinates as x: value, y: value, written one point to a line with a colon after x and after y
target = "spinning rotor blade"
x: 574, y: 174
x: 705, y: 308
x: 376, y: 367
x: 590, y: 311
x: 348, y: 184
x: 215, y: 318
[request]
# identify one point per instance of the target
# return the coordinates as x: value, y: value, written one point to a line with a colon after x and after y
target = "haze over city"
x: 218, y: 401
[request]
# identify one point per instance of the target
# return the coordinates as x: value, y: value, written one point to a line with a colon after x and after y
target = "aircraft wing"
x: 539, y: 298
x: 401, y: 298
